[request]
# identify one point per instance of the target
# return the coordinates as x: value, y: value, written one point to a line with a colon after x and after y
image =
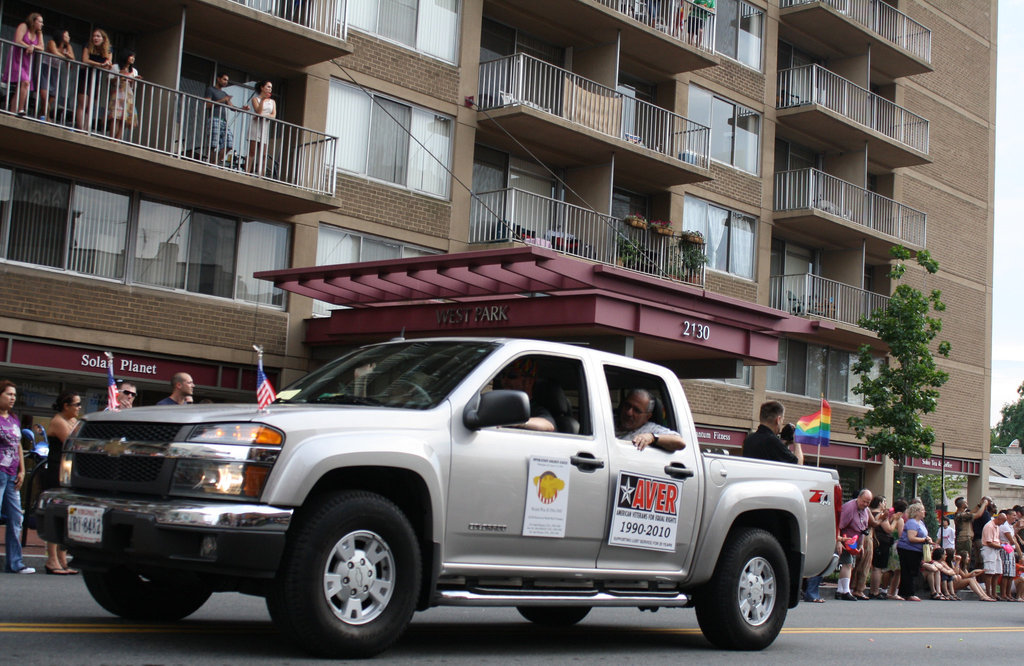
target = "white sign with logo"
x: 547, y: 497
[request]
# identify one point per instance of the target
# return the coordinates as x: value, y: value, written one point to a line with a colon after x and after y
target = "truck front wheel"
x: 350, y: 577
x: 161, y: 598
x: 744, y: 605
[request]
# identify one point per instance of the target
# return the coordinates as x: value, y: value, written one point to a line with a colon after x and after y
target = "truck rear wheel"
x: 134, y: 597
x: 554, y: 616
x: 744, y: 604
x: 350, y: 577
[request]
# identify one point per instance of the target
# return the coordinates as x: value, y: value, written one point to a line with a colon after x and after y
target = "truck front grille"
x: 123, y: 469
x: 132, y: 432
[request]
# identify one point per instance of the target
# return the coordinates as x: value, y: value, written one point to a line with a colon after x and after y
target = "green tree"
x: 1010, y: 425
x: 905, y: 388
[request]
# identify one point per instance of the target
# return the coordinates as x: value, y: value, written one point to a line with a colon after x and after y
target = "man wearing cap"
x: 520, y: 375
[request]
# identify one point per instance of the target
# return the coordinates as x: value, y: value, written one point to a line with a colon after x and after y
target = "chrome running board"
x: 504, y: 598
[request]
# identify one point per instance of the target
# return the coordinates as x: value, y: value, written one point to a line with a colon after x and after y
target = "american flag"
x: 264, y: 391
x: 112, y: 404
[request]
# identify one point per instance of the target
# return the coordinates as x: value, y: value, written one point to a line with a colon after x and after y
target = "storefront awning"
x: 536, y: 292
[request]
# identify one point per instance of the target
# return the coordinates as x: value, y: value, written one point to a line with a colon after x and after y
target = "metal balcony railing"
x: 327, y: 17
x: 809, y: 188
x: 813, y: 84
x: 883, y: 19
x: 813, y: 295
x: 686, y: 21
x: 522, y: 80
x: 88, y: 99
x: 516, y: 215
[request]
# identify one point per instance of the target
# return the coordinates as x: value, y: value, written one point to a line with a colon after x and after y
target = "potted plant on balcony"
x: 663, y: 227
x: 636, y: 220
x: 628, y: 253
x: 690, y: 236
x: 692, y: 257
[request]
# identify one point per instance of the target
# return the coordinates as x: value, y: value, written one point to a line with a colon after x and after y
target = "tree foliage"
x: 1011, y: 423
x: 907, y: 387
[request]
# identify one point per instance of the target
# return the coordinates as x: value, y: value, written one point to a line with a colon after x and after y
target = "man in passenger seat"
x: 634, y: 423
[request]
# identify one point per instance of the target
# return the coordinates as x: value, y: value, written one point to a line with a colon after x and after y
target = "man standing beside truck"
x: 764, y: 443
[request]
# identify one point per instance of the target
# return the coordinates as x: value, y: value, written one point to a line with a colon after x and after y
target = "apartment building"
x: 494, y: 167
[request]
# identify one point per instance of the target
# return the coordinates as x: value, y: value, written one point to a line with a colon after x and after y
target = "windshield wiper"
x: 346, y: 399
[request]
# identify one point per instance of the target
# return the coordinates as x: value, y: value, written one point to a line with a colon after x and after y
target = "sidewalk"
x: 33, y: 550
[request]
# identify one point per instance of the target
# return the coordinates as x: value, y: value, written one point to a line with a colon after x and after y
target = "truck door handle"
x: 586, y: 461
x: 678, y: 471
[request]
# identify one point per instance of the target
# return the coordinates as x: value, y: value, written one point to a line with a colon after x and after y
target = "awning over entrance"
x: 536, y: 292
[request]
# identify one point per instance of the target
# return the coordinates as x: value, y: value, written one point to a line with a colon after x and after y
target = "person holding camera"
x: 766, y: 443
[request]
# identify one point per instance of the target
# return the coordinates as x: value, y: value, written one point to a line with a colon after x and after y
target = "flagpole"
x: 820, y: 411
x: 259, y: 364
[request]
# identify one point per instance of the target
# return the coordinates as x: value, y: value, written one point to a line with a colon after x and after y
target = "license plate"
x: 85, y: 524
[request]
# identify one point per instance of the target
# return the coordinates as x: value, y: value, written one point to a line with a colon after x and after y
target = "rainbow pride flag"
x: 815, y: 429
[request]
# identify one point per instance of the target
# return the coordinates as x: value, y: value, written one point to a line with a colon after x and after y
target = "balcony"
x: 162, y: 137
x: 899, y: 45
x: 656, y: 43
x: 572, y: 121
x: 269, y: 36
x: 507, y: 215
x: 831, y: 113
x: 830, y: 213
x: 807, y: 295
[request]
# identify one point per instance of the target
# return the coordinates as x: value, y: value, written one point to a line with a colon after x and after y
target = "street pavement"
x: 53, y: 620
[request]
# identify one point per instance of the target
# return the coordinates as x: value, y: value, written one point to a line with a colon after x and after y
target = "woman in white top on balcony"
x: 259, y: 128
x: 121, y: 106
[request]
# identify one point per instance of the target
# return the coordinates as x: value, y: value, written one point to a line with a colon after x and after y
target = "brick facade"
x: 396, y: 207
x: 389, y: 62
x: 76, y: 303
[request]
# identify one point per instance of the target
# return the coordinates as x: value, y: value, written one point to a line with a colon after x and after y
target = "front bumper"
x: 208, y: 537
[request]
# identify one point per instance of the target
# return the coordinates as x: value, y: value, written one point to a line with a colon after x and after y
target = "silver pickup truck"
x: 398, y: 477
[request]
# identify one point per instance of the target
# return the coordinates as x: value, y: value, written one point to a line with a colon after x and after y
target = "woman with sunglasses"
x: 68, y: 406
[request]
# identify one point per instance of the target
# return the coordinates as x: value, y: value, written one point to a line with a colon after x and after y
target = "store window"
x: 729, y: 235
x: 389, y: 140
x: 430, y: 26
x: 735, y: 129
x: 738, y: 32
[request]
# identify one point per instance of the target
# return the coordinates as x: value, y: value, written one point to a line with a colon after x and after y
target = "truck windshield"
x: 408, y: 375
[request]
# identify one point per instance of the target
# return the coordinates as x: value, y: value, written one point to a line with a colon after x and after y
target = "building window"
x: 815, y: 371
x: 85, y: 229
x: 735, y: 129
x: 52, y: 222
x: 193, y: 250
x: 729, y: 235
x: 389, y: 140
x: 430, y: 26
x: 338, y: 246
x: 738, y: 31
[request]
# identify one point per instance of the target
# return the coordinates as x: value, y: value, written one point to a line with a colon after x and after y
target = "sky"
x: 1008, y: 304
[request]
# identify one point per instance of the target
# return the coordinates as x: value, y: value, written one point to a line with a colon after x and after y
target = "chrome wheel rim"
x: 359, y: 577
x: 757, y: 591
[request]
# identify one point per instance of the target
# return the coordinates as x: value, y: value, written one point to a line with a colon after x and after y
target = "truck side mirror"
x: 496, y: 408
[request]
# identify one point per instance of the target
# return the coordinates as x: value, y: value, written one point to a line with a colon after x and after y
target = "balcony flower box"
x: 663, y: 227
x: 694, y: 237
x: 635, y: 220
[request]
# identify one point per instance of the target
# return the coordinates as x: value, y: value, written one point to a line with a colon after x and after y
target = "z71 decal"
x: 820, y: 497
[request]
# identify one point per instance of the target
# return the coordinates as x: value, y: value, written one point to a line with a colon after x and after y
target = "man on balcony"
x: 221, y: 137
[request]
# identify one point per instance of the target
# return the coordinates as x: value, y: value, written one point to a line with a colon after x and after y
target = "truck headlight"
x: 236, y: 433
x: 201, y: 478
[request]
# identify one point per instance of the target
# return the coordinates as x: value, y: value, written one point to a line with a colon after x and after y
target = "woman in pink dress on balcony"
x: 19, y: 61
